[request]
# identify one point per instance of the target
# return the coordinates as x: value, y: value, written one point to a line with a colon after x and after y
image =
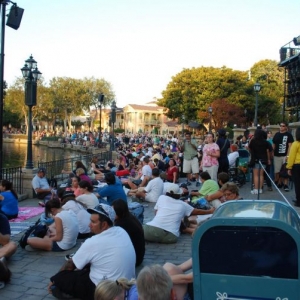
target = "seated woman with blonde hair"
x: 116, y: 290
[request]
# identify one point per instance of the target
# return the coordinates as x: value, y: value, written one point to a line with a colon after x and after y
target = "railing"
x: 14, y: 175
x: 55, y: 167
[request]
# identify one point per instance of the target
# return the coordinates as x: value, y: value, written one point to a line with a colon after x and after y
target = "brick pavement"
x: 32, y: 270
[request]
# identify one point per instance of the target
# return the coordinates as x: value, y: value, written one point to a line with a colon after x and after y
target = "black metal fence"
x: 55, y: 167
x: 14, y: 175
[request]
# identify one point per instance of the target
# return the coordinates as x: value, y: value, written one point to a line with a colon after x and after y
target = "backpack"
x: 137, y: 210
x: 36, y: 230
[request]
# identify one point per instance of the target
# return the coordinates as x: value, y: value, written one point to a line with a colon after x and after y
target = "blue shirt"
x: 113, y: 192
x: 9, y: 205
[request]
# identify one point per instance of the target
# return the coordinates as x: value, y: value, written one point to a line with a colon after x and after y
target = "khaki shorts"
x: 191, y: 166
x: 278, y: 162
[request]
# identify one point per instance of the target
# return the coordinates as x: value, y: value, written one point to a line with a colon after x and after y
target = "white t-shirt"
x: 110, y: 253
x: 154, y: 189
x: 146, y: 171
x: 70, y: 229
x: 90, y: 200
x: 169, y: 214
x: 232, y: 157
x: 83, y: 217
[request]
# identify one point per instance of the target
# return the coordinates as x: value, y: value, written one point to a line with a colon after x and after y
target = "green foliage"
x: 118, y: 130
x: 192, y: 91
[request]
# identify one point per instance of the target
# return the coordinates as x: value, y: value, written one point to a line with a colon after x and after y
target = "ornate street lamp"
x: 257, y: 88
x: 31, y: 74
x: 210, y: 110
x: 101, y: 100
x: 113, y: 121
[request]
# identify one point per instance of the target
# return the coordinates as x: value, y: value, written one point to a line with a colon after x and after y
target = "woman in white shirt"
x: 62, y: 234
x: 87, y: 196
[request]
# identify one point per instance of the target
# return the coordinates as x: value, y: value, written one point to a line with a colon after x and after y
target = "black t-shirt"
x: 281, y: 142
x: 258, y: 149
x: 4, y: 225
x: 136, y: 233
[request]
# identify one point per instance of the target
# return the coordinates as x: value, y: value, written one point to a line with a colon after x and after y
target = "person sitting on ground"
x: 75, y: 186
x: 109, y: 254
x: 87, y: 197
x: 112, y: 191
x: 8, y: 200
x: 182, y: 281
x: 160, y: 165
x: 233, y: 155
x: 231, y: 191
x: 78, y: 164
x: 132, y: 226
x: 81, y: 174
x: 208, y: 187
x: 152, y: 191
x: 95, y: 169
x: 116, y: 289
x: 169, y: 211
x: 153, y: 282
x: 172, y: 171
x: 40, y: 184
x: 217, y: 198
x: 61, y: 235
x: 69, y: 202
x: 144, y: 177
x: 8, y: 248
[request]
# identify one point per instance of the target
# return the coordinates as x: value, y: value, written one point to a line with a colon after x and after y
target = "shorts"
x: 137, y: 182
x: 191, y: 166
x: 278, y: 162
x: 259, y: 166
x: 158, y: 235
x: 56, y: 248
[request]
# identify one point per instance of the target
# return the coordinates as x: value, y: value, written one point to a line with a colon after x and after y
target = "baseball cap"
x: 42, y: 170
x: 105, y: 210
x: 173, y: 188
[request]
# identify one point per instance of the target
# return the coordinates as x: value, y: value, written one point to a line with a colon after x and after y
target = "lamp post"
x: 101, y: 100
x: 31, y: 74
x: 113, y: 121
x: 210, y: 110
x: 88, y: 120
x: 257, y: 87
x: 182, y: 129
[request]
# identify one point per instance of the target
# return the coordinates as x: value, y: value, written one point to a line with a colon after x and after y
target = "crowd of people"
x: 93, y: 206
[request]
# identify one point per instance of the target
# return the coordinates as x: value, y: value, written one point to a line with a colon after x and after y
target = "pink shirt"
x: 207, y: 160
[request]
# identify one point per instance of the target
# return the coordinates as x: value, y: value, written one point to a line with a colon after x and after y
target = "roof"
x: 145, y: 107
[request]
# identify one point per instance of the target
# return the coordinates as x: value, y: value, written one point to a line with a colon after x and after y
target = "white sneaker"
x: 260, y: 191
x: 254, y: 192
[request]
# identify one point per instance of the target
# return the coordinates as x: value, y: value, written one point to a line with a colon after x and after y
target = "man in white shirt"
x: 170, y: 210
x: 145, y: 177
x: 153, y: 190
x: 109, y: 254
x: 40, y: 184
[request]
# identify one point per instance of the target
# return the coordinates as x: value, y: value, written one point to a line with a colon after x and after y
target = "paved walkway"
x: 32, y: 270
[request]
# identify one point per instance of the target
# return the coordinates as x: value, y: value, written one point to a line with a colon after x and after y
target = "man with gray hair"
x: 153, y: 282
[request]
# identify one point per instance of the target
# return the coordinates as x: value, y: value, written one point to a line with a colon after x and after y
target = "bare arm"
x: 214, y: 196
x: 4, y: 239
x: 197, y: 211
x: 182, y: 278
x: 59, y: 230
x: 187, y: 265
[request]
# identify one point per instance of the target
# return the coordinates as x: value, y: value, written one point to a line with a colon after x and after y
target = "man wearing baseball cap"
x: 40, y: 184
x: 109, y: 254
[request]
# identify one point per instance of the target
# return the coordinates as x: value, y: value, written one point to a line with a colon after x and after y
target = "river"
x: 14, y: 155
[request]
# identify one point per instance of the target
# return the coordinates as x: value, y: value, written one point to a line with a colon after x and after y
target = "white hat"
x: 173, y: 188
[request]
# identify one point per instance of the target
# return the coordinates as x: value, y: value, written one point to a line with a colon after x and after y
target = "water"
x: 14, y: 155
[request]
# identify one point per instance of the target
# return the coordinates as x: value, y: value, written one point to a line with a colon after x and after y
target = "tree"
x: 224, y: 114
x: 271, y: 78
x: 193, y: 90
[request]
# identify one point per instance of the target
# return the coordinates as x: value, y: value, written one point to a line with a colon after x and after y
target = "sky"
x: 138, y: 45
